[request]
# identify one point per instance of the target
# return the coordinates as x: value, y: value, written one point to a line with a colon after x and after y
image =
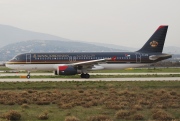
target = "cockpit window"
x: 15, y: 58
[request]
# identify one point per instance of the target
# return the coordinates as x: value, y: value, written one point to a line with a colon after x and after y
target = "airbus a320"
x: 82, y: 62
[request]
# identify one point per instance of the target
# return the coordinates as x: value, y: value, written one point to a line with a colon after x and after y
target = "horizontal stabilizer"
x: 155, y: 57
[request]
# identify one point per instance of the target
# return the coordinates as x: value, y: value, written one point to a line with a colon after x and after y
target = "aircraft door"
x: 28, y: 58
x: 70, y: 58
x: 74, y: 58
x: 138, y: 58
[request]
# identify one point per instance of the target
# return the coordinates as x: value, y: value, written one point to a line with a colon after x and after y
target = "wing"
x: 89, y: 64
x: 91, y: 61
x: 83, y: 66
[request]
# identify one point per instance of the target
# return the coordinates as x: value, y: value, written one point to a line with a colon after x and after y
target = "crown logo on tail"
x: 154, y: 43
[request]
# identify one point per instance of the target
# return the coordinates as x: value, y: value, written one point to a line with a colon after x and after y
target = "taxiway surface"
x: 92, y: 79
x: 51, y: 74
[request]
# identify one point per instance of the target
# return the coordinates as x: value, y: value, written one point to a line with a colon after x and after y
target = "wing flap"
x: 91, y: 62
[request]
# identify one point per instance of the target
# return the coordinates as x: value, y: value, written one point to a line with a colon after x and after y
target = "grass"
x: 128, y: 70
x: 4, y: 68
x: 89, y: 101
x: 140, y: 70
x: 88, y: 84
x: 97, y: 76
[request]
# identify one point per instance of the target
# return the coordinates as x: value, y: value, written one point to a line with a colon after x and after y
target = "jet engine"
x: 66, y: 70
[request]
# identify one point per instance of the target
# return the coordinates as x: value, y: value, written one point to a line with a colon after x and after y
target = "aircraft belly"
x: 121, y: 66
x: 52, y: 67
x: 30, y: 67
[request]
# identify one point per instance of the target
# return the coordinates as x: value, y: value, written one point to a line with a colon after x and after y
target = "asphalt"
x: 90, y: 79
x: 51, y: 74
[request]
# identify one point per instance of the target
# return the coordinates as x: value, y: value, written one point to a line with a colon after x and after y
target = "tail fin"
x: 156, y: 41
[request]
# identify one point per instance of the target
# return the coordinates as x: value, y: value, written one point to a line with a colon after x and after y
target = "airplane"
x: 71, y: 63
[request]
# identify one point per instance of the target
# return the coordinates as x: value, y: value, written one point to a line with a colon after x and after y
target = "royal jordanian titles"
x: 81, y: 62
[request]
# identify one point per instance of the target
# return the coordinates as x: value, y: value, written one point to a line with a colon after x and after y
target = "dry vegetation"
x: 106, y: 103
x: 11, y: 115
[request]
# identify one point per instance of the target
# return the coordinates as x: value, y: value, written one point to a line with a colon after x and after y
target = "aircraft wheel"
x: 87, y: 76
x: 28, y: 76
x: 82, y: 75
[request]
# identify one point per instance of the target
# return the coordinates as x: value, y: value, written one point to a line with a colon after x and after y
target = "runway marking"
x: 51, y: 74
x: 92, y: 79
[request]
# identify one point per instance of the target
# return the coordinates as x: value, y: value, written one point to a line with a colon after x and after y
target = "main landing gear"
x: 28, y: 75
x: 85, y: 75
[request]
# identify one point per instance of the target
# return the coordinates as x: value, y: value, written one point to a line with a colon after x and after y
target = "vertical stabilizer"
x: 156, y: 41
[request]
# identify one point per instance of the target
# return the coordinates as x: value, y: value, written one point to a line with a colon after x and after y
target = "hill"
x: 8, y: 51
x: 10, y: 34
x: 14, y: 41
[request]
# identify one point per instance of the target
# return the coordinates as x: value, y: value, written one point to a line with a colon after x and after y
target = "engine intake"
x: 66, y: 70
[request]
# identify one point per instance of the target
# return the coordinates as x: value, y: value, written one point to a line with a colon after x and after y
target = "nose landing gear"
x: 28, y: 75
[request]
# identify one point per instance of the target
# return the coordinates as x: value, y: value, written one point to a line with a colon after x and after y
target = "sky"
x: 121, y: 22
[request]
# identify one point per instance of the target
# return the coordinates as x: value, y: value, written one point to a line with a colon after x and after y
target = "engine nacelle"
x: 66, y: 70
